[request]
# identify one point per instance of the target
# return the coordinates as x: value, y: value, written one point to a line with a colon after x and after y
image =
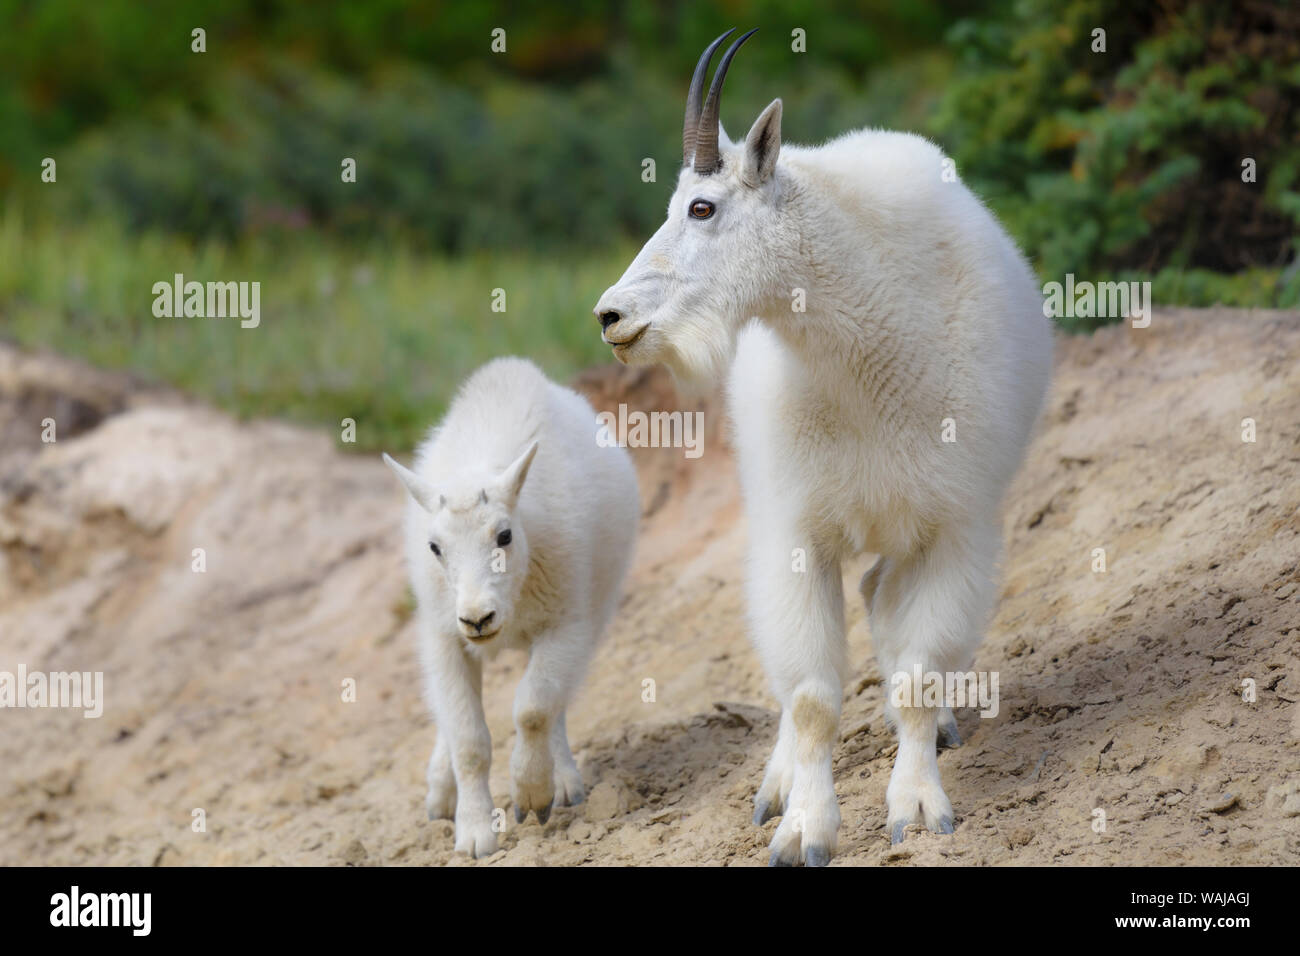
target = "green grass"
x: 379, y: 334
x: 375, y: 334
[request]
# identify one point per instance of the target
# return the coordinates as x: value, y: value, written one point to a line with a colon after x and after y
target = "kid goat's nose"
x: 481, y: 622
x: 608, y: 318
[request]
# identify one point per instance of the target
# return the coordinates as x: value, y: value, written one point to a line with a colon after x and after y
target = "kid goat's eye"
x: 503, y: 538
x: 435, y: 549
x: 701, y: 209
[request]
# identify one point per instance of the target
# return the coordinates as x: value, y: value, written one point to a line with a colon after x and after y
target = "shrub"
x: 1132, y: 159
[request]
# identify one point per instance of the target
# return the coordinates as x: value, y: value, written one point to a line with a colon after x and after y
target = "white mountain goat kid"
x: 519, y: 530
x: 888, y: 307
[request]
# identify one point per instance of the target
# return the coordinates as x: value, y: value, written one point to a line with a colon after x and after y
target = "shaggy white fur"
x: 519, y: 530
x: 889, y: 310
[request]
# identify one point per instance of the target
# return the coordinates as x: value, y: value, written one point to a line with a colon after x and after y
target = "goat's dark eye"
x: 503, y: 538
x: 701, y: 209
x: 435, y: 549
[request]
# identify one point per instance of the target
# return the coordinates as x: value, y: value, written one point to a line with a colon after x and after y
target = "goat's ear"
x: 762, y: 146
x: 511, y: 481
x: 420, y: 489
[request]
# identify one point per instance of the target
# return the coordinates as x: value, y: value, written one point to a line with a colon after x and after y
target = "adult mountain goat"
x: 871, y: 310
x: 519, y: 529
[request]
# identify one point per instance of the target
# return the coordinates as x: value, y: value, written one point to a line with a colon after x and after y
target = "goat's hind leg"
x: 440, y: 799
x: 948, y: 735
x: 569, y: 789
x: 778, y: 778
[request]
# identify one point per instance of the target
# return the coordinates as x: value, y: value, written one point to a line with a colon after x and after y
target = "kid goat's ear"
x: 420, y: 490
x: 511, y: 481
x: 762, y: 145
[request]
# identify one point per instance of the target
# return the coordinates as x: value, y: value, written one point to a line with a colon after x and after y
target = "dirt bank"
x: 1120, y: 692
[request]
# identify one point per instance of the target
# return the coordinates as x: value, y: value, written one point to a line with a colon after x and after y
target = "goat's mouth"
x: 622, y: 345
x: 480, y: 638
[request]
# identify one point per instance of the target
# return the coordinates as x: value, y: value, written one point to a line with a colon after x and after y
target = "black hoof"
x: 520, y: 813
x: 763, y: 812
x: 544, y: 813
x: 896, y: 835
x: 949, y: 737
x: 945, y: 825
x: 816, y: 856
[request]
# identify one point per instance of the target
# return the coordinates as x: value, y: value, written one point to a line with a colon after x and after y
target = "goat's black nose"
x: 608, y: 318
x: 481, y: 622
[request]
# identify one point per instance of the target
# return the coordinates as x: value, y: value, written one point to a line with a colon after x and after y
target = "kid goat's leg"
x: 928, y: 616
x: 555, y: 667
x: 569, y: 790
x: 456, y: 691
x: 440, y: 800
x: 797, y: 618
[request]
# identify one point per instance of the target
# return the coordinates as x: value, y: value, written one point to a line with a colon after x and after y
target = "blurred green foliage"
x: 1131, y: 160
x: 1124, y: 159
x: 523, y: 170
x: 457, y: 148
x: 371, y: 332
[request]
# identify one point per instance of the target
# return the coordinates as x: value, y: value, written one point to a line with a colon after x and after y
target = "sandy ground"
x: 1121, y: 692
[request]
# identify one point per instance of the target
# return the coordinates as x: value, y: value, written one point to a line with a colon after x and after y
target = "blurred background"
x: 522, y: 170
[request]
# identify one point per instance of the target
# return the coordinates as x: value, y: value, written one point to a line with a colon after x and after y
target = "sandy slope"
x: 1120, y: 691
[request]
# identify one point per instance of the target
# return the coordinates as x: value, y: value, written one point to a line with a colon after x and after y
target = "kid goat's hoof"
x: 543, y: 813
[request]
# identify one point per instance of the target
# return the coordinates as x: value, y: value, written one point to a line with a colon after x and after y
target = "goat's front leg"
x: 927, y: 617
x: 541, y: 756
x: 456, y: 681
x: 797, y: 618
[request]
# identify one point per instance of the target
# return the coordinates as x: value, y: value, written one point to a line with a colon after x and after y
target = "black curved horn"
x: 707, y: 159
x: 691, y: 126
